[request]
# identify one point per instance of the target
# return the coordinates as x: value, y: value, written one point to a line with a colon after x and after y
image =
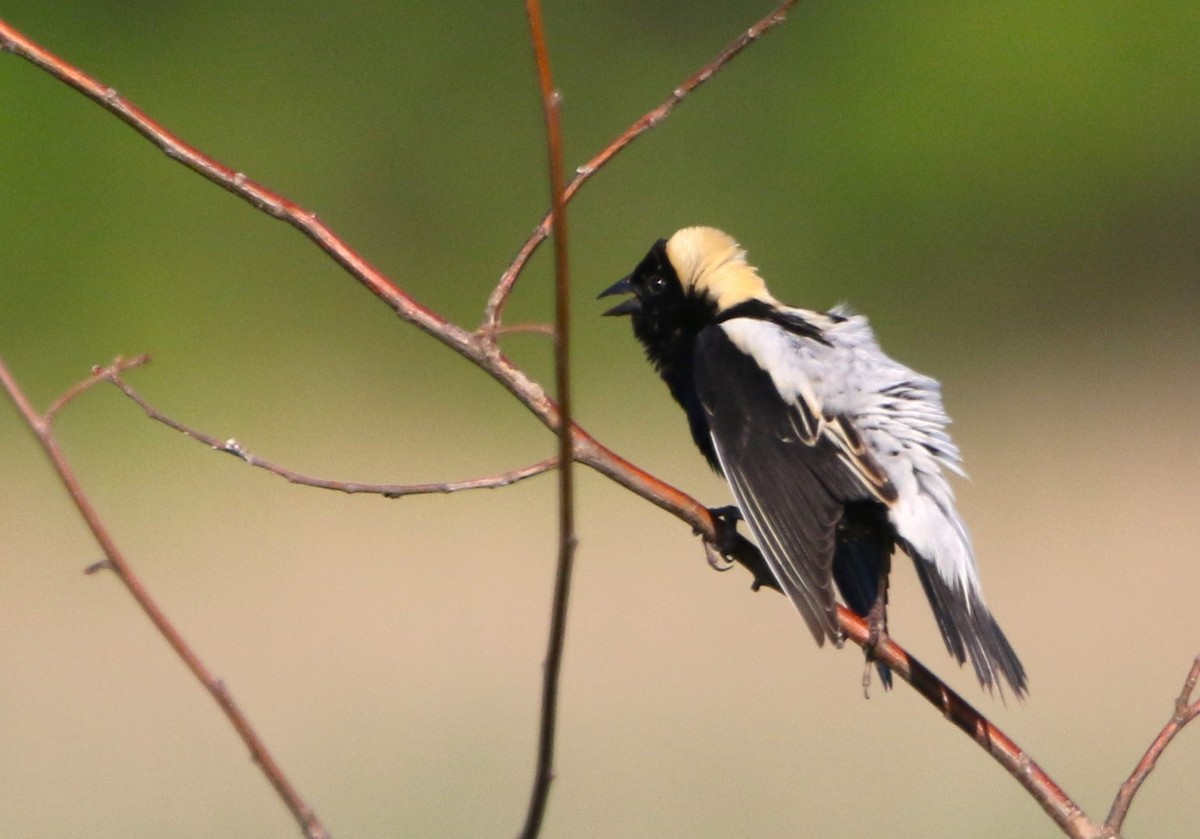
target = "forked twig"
x: 99, y: 374
x: 499, y: 295
x: 1187, y: 709
x: 42, y: 427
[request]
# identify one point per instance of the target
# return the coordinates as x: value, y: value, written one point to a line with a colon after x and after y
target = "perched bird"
x: 836, y: 454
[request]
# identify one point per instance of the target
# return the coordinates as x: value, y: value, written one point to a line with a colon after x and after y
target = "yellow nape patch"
x: 710, y: 262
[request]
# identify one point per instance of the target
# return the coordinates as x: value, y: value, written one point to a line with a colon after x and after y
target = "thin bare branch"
x: 547, y: 724
x: 525, y: 329
x: 499, y: 296
x: 1186, y: 709
x: 119, y: 365
x: 42, y: 428
x: 233, y: 447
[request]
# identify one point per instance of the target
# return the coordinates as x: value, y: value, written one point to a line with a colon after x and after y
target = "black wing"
x: 791, y: 472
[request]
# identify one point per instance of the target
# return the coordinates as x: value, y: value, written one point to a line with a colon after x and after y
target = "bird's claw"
x: 725, y: 520
x: 716, y: 560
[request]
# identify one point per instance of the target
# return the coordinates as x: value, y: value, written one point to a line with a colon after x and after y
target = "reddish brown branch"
x: 548, y: 717
x: 1186, y: 710
x: 499, y: 296
x: 42, y: 427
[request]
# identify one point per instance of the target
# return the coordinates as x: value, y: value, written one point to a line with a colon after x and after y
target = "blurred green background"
x: 1012, y: 194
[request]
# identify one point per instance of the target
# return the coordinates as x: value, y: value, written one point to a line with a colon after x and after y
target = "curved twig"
x: 231, y: 446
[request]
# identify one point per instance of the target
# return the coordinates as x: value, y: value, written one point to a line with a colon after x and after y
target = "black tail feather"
x: 970, y: 631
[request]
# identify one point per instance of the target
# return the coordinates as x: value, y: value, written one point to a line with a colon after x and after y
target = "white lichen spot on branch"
x: 232, y: 447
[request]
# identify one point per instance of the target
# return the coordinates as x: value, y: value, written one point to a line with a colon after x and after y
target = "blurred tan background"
x: 1012, y: 194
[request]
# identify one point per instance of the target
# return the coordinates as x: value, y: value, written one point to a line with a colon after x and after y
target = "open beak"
x: 625, y: 307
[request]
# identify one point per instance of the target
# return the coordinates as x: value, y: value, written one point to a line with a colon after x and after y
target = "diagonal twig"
x: 42, y: 427
x: 231, y: 446
x: 479, y: 347
x: 525, y: 329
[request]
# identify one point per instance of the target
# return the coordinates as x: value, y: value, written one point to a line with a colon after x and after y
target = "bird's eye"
x: 656, y: 284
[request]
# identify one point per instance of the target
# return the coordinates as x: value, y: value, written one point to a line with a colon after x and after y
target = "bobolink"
x: 834, y: 451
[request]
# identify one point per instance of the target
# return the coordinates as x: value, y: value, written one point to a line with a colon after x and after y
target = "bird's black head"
x: 654, y: 285
x: 666, y: 312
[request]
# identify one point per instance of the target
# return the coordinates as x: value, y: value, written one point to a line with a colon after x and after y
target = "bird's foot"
x: 725, y: 521
x: 727, y: 544
x: 877, y: 634
x: 730, y: 511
